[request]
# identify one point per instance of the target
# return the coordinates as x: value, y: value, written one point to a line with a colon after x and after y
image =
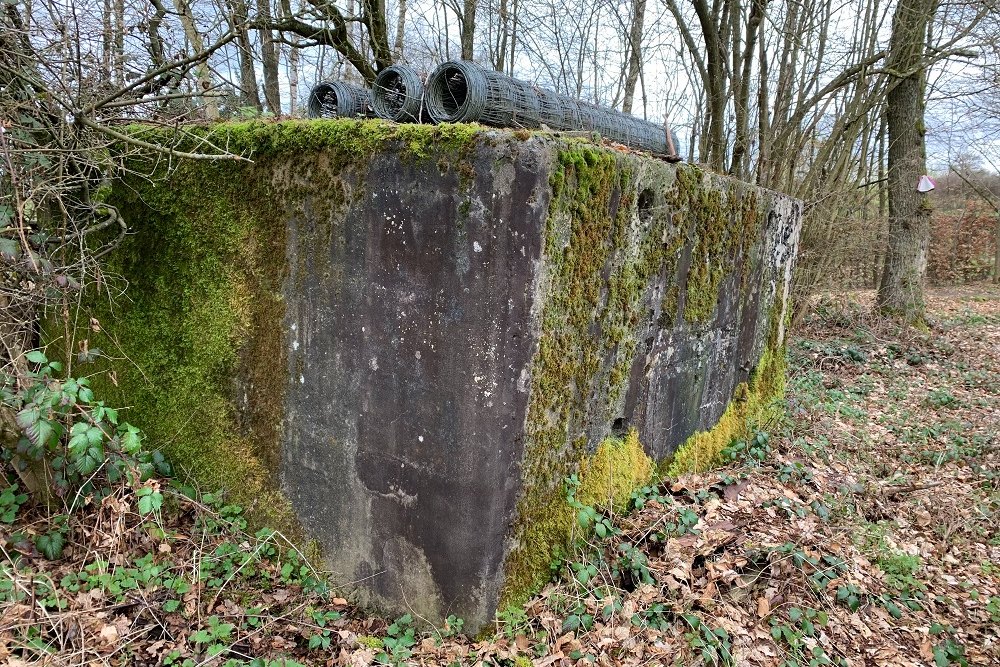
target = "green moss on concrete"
x: 196, y: 342
x: 602, y: 262
x: 600, y: 259
x: 616, y: 469
x: 754, y: 405
x: 721, y: 223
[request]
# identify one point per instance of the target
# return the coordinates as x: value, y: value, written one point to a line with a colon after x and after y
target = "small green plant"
x: 513, y: 621
x: 71, y: 444
x: 452, y: 626
x: 682, y: 523
x: 321, y: 618
x: 213, y: 639
x: 941, y: 398
x: 993, y: 607
x: 399, y: 639
x: 800, y: 625
x: 658, y: 616
x: 578, y: 618
x: 947, y: 651
x: 713, y: 644
x: 150, y: 500
x: 900, y: 570
x: 587, y: 516
x: 10, y: 503
x: 584, y: 572
x: 646, y: 494
x: 754, y: 450
x: 794, y: 472
x: 632, y: 566
x: 850, y: 596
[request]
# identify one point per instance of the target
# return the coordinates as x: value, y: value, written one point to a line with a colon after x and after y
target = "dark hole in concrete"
x: 646, y: 204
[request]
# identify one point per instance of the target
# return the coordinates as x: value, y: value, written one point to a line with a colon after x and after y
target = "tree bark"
x: 996, y: 257
x: 238, y: 19
x: 269, y: 56
x: 203, y: 76
x: 397, y: 45
x: 468, y: 28
x: 635, y: 53
x: 901, y: 292
x: 119, y: 41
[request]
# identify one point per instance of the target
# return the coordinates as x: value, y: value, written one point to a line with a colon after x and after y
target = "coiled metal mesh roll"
x: 336, y: 99
x: 398, y: 95
x: 463, y: 91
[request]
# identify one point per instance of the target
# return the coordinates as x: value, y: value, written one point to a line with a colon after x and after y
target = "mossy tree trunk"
x: 901, y: 292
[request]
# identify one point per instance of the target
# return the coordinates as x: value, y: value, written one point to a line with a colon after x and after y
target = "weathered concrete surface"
x: 407, y: 325
x: 461, y: 320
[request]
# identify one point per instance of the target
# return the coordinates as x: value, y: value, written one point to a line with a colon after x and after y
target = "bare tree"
x: 901, y: 289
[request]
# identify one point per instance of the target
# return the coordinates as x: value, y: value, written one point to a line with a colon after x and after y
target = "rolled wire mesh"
x: 336, y: 99
x: 398, y: 95
x: 463, y: 91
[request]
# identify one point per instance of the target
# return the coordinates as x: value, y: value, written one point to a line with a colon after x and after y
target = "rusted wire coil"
x: 337, y: 99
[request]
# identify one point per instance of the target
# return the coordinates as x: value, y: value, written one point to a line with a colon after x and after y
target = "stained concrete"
x: 408, y: 325
x: 414, y: 289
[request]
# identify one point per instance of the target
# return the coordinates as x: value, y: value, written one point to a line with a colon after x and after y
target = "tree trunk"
x: 238, y: 18
x: 269, y: 55
x: 901, y: 292
x: 293, y: 79
x: 119, y: 56
x: 996, y: 257
x: 714, y: 79
x: 635, y: 53
x: 106, y: 40
x: 500, y: 43
x: 397, y: 45
x: 203, y: 76
x: 468, y: 28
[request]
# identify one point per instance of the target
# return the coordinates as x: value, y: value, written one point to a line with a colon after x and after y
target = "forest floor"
x: 864, y: 529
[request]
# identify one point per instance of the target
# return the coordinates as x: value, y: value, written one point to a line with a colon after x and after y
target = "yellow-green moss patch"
x: 616, y: 469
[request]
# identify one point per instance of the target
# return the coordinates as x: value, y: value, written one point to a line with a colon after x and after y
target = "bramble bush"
x: 67, y: 446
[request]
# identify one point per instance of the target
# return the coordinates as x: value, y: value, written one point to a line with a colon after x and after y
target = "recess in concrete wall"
x: 397, y: 341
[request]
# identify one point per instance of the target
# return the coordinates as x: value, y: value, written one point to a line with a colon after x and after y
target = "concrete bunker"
x: 399, y: 340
